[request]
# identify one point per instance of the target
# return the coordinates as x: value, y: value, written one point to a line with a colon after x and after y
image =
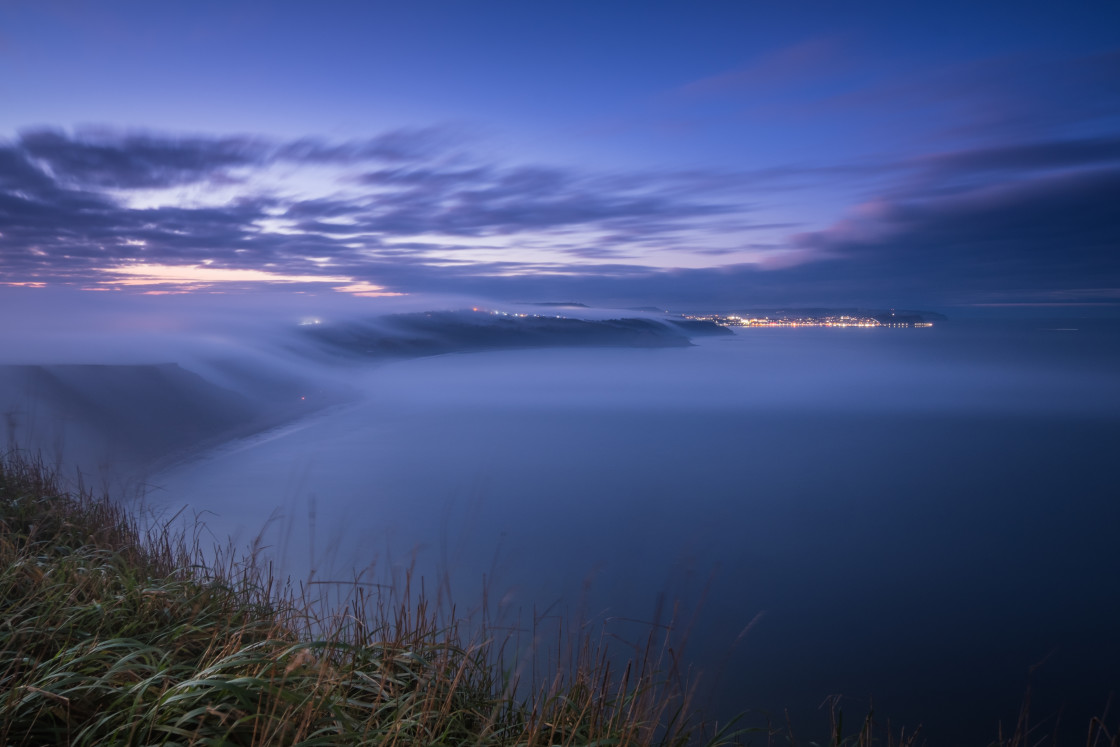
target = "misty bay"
x: 838, y: 491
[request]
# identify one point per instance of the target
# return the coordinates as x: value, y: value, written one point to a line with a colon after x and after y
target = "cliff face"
x: 124, y: 415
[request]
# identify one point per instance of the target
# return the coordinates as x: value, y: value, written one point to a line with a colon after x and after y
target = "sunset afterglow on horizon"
x: 188, y: 277
x: 953, y: 156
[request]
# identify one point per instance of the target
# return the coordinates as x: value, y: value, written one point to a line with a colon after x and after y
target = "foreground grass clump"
x: 114, y: 635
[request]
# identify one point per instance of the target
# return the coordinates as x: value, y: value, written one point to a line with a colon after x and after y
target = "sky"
x: 961, y: 157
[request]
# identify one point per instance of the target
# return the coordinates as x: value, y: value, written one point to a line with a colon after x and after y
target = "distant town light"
x: 844, y: 320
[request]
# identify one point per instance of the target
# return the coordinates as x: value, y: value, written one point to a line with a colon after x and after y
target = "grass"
x: 114, y: 635
x: 111, y: 633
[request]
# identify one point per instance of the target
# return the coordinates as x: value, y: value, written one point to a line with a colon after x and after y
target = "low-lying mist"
x: 916, y: 515
x: 118, y: 385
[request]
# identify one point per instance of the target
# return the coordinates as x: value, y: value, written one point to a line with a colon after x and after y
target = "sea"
x: 925, y: 522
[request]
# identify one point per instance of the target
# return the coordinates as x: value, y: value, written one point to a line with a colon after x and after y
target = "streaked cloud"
x: 74, y: 205
x: 411, y: 211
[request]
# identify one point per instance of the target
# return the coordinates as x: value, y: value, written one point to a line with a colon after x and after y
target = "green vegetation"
x: 113, y: 634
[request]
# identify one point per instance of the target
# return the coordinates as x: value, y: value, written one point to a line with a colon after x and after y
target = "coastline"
x: 121, y: 422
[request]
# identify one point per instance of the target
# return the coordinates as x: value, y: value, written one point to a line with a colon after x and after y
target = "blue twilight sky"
x: 703, y: 154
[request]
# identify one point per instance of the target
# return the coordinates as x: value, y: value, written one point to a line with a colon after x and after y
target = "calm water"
x: 920, y: 516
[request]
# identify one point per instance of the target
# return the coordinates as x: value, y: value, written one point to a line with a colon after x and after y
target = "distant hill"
x: 438, y: 332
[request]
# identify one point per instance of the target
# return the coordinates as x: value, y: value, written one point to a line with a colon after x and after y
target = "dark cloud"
x: 131, y: 161
x: 61, y: 216
x: 1031, y: 156
x: 491, y: 200
x: 407, y: 144
x: 321, y: 209
x: 1032, y: 223
x: 104, y: 158
x: 1056, y: 232
x: 1032, y: 219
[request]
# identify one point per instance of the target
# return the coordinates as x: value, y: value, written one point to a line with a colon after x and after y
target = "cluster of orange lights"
x: 844, y: 320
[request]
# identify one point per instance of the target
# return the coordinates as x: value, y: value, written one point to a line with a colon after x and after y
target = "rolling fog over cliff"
x: 917, y: 515
x: 125, y: 386
x: 378, y: 288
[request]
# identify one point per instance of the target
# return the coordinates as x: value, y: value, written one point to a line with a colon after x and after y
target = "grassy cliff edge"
x: 115, y: 635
